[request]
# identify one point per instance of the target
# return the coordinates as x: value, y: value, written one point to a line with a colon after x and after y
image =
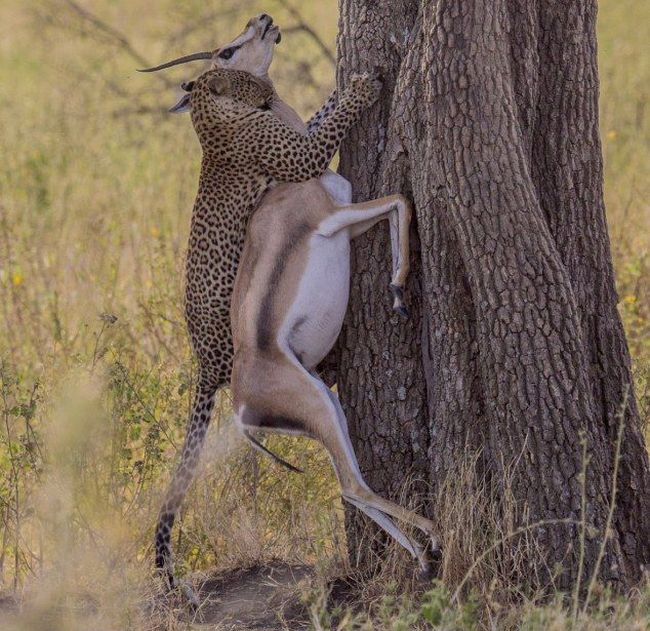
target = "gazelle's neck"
x: 287, y: 114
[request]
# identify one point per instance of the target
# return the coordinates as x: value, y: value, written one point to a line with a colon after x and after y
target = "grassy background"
x: 96, y: 189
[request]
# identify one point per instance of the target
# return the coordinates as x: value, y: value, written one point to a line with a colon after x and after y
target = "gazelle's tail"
x: 267, y: 452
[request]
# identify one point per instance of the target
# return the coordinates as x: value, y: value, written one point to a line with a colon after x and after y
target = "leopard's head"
x: 221, y: 97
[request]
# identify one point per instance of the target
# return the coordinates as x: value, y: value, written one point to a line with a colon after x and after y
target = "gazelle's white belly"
x: 315, y: 317
x: 339, y: 189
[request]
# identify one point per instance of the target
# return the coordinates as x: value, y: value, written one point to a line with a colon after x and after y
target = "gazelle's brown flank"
x: 288, y: 306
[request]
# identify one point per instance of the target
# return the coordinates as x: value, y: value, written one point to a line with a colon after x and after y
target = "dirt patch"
x: 260, y: 598
x: 264, y: 597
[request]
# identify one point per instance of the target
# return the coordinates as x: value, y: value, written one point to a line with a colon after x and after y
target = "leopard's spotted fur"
x: 245, y: 149
x: 326, y: 109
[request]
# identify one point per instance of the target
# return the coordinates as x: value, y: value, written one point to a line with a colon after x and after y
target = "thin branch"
x: 141, y: 110
x: 305, y: 28
x: 111, y: 32
x: 113, y: 35
x: 201, y: 22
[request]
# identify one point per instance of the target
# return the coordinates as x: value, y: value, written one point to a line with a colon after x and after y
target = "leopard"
x: 246, y: 150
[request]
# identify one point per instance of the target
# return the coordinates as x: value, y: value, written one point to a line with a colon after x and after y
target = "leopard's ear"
x: 219, y: 85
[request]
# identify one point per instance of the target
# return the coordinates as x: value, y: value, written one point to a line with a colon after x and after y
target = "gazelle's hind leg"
x: 375, y: 506
x: 359, y: 218
x: 305, y: 405
x: 383, y: 520
x: 388, y: 525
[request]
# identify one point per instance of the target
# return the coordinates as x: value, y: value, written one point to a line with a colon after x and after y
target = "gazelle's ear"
x: 183, y: 105
x: 219, y: 85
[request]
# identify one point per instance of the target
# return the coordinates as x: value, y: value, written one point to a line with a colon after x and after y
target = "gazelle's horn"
x: 180, y: 60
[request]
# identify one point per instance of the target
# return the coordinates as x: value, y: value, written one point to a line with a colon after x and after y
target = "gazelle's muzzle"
x: 267, y: 27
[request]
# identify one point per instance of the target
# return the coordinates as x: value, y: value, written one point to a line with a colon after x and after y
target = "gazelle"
x: 290, y: 298
x: 252, y: 51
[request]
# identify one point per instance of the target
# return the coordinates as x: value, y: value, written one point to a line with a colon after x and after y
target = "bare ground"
x: 262, y: 598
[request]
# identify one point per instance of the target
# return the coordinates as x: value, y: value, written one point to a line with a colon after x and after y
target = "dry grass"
x: 483, y: 550
x: 96, y: 185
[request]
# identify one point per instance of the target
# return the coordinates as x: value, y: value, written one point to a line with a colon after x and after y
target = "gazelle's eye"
x: 227, y: 53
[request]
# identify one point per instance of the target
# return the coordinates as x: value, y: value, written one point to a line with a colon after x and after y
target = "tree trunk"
x: 515, y: 351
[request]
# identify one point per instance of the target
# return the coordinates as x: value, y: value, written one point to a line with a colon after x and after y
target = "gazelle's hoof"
x: 433, y: 559
x: 191, y: 596
x: 403, y: 311
x: 398, y: 303
x: 427, y: 574
x: 435, y: 551
x: 397, y: 291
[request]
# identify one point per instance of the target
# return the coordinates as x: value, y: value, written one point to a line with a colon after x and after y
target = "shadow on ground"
x: 263, y: 597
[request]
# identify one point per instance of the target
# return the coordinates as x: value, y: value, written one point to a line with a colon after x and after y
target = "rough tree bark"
x: 515, y: 349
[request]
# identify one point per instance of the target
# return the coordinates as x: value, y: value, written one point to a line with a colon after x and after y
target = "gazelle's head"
x: 251, y: 50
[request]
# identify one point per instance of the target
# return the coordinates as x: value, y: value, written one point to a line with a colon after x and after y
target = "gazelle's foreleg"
x: 359, y: 218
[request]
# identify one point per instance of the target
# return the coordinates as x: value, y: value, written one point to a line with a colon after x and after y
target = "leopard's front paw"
x: 366, y: 87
